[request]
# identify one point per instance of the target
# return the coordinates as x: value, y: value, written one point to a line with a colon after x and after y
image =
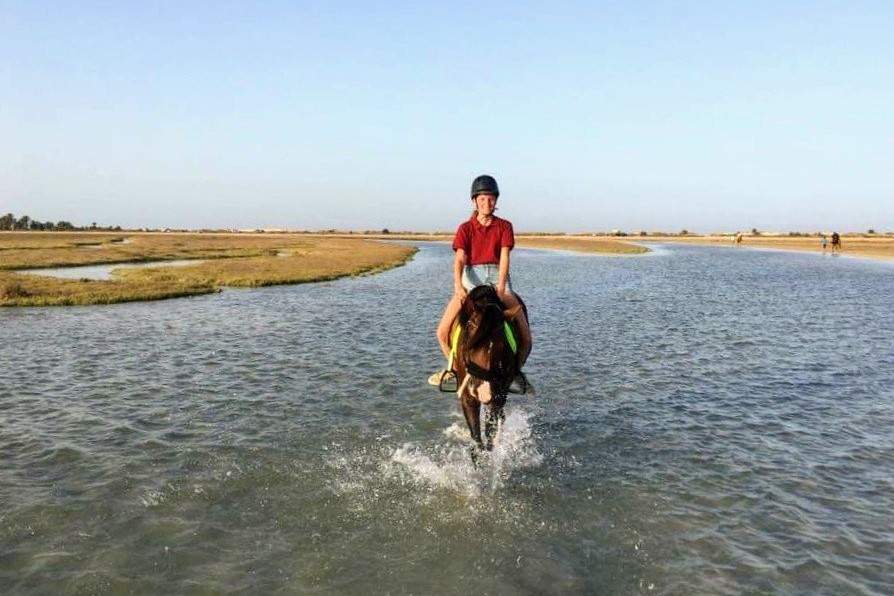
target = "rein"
x: 481, y: 374
x: 498, y: 376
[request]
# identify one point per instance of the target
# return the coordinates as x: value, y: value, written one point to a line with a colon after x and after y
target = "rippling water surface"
x: 709, y: 420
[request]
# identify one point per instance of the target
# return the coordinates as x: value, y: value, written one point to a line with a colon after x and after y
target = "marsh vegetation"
x: 236, y: 260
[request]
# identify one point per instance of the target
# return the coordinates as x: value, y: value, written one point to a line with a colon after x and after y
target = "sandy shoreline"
x: 257, y: 259
x: 591, y: 244
x: 856, y: 246
x: 881, y: 247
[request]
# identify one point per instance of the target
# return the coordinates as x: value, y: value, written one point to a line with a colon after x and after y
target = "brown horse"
x: 485, y: 362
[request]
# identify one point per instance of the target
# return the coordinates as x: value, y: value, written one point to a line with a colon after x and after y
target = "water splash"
x: 449, y: 465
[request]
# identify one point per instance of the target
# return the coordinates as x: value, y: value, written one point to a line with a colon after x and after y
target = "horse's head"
x: 489, y: 361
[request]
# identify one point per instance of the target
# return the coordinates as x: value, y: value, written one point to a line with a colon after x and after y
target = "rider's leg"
x: 443, y: 333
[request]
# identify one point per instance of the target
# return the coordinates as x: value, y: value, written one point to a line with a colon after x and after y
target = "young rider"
x: 482, y: 245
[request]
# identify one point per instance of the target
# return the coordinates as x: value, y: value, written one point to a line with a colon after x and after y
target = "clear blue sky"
x: 703, y: 115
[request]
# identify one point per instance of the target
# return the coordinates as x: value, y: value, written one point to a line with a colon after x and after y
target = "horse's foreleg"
x: 493, y: 421
x: 472, y: 412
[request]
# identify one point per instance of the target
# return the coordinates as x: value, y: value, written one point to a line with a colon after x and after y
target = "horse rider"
x: 482, y: 245
x: 836, y: 242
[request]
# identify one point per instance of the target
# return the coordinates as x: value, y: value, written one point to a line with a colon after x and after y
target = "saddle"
x: 509, y: 330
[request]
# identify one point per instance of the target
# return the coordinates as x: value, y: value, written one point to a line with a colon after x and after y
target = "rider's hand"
x: 460, y: 292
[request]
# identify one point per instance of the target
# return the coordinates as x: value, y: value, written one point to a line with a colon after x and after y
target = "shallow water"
x: 709, y: 420
x: 104, y: 271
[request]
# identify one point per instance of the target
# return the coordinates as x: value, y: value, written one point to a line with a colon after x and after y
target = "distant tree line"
x: 11, y: 222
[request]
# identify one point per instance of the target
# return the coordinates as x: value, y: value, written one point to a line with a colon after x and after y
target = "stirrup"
x: 443, y: 380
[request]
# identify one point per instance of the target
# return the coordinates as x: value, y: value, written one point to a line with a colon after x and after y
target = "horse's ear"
x: 511, y: 313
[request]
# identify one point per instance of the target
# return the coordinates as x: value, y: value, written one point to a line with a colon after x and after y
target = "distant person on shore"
x: 824, y: 241
x: 836, y: 243
x: 738, y: 239
x: 481, y: 245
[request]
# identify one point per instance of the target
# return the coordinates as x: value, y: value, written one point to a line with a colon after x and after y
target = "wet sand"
x: 876, y: 247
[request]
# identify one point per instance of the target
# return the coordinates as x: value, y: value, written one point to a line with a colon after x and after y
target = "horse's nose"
x: 484, y: 392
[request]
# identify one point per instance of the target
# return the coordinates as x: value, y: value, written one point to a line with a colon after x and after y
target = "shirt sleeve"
x: 507, y: 238
x: 462, y: 239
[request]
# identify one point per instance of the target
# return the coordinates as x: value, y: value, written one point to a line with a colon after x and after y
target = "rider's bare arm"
x: 459, y: 262
x: 504, y: 270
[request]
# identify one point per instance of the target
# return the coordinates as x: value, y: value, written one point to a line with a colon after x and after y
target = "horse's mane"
x: 485, y: 301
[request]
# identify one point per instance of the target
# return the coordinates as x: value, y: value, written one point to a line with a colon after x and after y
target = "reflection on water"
x: 709, y: 420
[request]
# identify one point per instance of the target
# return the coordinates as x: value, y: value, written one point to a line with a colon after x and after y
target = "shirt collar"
x: 478, y: 224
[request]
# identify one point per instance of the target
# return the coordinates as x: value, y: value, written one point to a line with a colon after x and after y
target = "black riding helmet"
x: 485, y: 185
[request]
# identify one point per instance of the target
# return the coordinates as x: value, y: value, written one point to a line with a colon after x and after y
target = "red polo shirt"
x: 482, y: 244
